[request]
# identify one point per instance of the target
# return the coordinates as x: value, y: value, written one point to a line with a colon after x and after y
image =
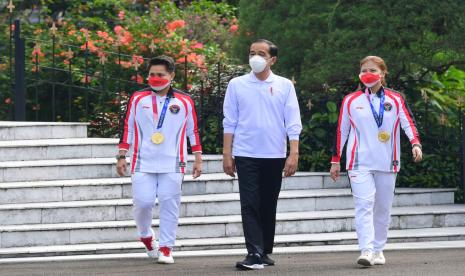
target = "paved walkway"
x: 442, y: 262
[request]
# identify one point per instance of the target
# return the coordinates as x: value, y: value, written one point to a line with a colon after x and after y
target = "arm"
x: 194, y: 138
x: 342, y: 133
x: 293, y: 126
x: 126, y: 134
x: 231, y: 114
x: 409, y: 126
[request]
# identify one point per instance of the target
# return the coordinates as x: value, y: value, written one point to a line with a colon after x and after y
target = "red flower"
x: 197, y: 45
x: 8, y: 101
x: 176, y: 24
x: 126, y: 38
x: 90, y: 45
x: 37, y: 55
x: 233, y: 29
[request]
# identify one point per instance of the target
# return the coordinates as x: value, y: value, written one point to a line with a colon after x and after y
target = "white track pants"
x: 166, y: 187
x: 373, y: 193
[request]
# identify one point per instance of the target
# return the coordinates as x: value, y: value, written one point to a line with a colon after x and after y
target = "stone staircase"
x: 59, y: 196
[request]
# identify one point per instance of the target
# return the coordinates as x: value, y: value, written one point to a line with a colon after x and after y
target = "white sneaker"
x: 151, y: 246
x: 366, y: 258
x: 165, y: 255
x: 379, y: 258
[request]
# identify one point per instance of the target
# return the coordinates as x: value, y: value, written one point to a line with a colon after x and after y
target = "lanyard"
x: 163, y: 111
x: 380, y: 115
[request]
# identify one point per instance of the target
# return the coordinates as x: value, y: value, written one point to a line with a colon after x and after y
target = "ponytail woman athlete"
x: 369, y: 119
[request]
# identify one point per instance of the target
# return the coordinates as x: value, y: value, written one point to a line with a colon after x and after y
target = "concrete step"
x: 411, y: 217
x: 41, y: 130
x: 426, y: 245
x: 204, y: 205
x: 114, y: 188
x: 49, y: 149
x: 319, y: 239
x: 37, y: 170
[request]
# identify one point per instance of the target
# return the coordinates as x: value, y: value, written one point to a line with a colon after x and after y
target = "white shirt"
x: 357, y: 126
x: 141, y: 122
x: 260, y: 114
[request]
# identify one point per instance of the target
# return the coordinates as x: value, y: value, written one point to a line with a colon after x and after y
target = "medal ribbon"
x: 380, y: 115
x: 163, y: 111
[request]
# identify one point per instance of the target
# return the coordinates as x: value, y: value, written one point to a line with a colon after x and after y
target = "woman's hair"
x: 378, y: 61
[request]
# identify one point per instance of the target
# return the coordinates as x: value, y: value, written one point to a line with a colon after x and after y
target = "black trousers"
x: 259, y: 186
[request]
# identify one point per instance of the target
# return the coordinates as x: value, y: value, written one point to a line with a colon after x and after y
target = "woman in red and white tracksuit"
x: 158, y: 121
x: 370, y: 119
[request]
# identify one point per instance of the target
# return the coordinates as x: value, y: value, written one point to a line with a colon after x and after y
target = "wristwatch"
x: 120, y: 156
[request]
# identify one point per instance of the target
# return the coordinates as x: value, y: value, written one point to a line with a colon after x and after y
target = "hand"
x: 291, y: 164
x: 121, y: 166
x: 229, y: 166
x: 197, y: 169
x: 335, y: 171
x: 417, y: 154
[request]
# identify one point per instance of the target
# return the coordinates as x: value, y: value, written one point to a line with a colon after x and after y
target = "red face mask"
x: 369, y: 79
x: 157, y: 83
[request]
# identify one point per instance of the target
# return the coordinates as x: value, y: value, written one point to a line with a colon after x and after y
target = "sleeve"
x: 192, y: 128
x: 230, y: 110
x: 127, y: 126
x: 342, y: 131
x: 408, y: 123
x: 292, y: 119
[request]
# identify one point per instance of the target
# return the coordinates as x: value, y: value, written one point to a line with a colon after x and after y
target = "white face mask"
x: 257, y: 63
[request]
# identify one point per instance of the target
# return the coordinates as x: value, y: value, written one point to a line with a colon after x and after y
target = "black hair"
x: 273, y: 48
x: 167, y: 61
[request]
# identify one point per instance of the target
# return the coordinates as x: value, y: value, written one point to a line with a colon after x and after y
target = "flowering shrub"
x: 101, y: 49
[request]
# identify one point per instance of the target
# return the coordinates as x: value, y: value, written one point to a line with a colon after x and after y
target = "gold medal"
x: 157, y: 138
x: 383, y: 136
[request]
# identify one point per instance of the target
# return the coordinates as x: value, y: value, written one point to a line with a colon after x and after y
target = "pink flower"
x: 8, y: 101
x: 102, y: 34
x: 118, y: 29
x: 233, y: 29
x: 121, y: 15
x: 137, y: 59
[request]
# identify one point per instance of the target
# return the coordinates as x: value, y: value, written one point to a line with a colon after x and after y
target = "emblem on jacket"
x: 175, y: 109
x: 387, y: 106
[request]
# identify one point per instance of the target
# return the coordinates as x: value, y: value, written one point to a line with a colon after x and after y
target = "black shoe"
x: 252, y: 261
x: 267, y: 260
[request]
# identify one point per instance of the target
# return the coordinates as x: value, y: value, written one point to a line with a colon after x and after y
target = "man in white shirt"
x: 260, y: 110
x: 157, y: 122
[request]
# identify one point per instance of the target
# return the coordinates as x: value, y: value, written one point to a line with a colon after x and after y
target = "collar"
x: 378, y: 94
x: 253, y: 78
x: 170, y: 93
